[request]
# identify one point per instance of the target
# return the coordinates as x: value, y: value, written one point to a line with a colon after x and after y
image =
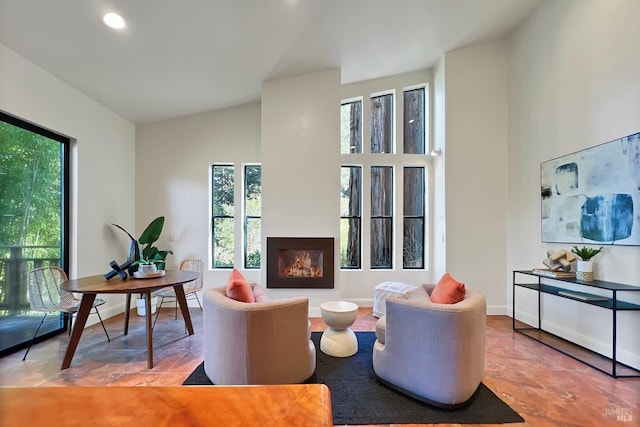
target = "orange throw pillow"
x: 448, y: 290
x: 238, y: 288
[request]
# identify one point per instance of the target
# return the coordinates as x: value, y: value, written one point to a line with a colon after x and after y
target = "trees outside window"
x: 223, y: 208
x: 382, y: 123
x: 413, y: 222
x: 252, y: 215
x: 405, y: 192
x: 350, y: 216
x: 34, y: 221
x: 225, y: 224
x: 351, y: 127
x: 381, y: 217
x: 414, y: 126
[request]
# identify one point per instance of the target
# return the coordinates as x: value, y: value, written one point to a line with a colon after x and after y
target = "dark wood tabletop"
x: 98, y: 284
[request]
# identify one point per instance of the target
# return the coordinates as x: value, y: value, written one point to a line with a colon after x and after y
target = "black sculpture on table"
x: 128, y: 266
x: 118, y: 270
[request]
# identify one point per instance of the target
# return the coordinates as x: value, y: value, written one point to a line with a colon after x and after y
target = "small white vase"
x: 147, y: 268
x: 140, y: 305
x: 584, y: 271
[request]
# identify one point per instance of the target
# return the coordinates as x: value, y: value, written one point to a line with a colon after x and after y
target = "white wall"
x: 301, y: 166
x: 174, y: 159
x: 103, y: 162
x: 574, y: 74
x: 439, y: 224
x: 475, y: 156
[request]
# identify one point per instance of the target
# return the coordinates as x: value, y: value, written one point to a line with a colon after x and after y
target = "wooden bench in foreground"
x: 296, y: 405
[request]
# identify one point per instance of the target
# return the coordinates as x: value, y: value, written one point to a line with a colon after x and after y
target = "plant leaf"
x: 128, y: 234
x: 152, y: 232
x: 162, y: 254
x: 149, y: 252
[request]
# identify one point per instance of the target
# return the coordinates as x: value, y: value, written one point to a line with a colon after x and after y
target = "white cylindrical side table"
x: 339, y: 340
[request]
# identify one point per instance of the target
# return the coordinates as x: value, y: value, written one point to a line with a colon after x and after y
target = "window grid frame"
x: 422, y: 217
x: 357, y: 218
x: 392, y: 121
x: 359, y: 147
x: 390, y: 218
x: 214, y: 216
x: 247, y: 218
x: 398, y: 159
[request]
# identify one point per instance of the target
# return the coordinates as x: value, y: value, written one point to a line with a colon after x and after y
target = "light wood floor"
x: 544, y: 386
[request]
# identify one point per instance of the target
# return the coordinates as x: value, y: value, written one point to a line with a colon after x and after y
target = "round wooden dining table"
x: 89, y: 287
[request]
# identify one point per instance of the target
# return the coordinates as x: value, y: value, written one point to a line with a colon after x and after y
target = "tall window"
x: 382, y: 183
x: 350, y: 216
x: 252, y: 215
x: 223, y: 215
x: 351, y: 127
x: 414, y: 126
x: 381, y: 217
x: 395, y: 174
x: 226, y: 226
x: 351, y: 186
x: 34, y: 222
x: 413, y: 224
x: 382, y: 124
x: 414, y: 180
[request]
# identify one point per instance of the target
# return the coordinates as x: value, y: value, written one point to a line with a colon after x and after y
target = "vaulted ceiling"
x: 182, y: 57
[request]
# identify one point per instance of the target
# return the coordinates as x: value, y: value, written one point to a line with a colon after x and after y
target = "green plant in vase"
x: 584, y: 270
x: 146, y: 266
x: 586, y: 253
x: 142, y: 251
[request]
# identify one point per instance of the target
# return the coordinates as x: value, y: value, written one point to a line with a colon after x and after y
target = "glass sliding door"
x: 34, y: 183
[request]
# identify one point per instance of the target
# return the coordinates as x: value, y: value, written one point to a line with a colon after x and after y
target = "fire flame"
x: 302, y: 267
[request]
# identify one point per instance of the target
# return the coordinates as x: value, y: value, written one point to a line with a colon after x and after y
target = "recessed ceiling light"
x: 113, y: 20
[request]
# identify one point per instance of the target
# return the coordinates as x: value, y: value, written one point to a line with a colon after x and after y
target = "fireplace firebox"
x: 300, y: 262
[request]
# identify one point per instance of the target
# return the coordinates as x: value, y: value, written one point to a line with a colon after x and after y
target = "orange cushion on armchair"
x: 448, y: 290
x: 238, y: 288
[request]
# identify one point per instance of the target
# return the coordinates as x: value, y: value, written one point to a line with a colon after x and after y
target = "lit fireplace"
x: 300, y: 262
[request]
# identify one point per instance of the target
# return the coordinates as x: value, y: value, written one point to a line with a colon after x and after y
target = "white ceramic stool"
x: 339, y: 340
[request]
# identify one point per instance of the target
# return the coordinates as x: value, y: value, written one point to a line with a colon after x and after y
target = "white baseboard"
x: 497, y: 310
x: 589, y: 342
x: 105, y: 313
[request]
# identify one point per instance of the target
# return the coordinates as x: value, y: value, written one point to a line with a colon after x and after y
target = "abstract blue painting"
x: 593, y: 195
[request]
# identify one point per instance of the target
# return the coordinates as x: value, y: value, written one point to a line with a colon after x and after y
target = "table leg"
x: 147, y: 306
x: 81, y: 319
x: 184, y: 308
x: 127, y: 311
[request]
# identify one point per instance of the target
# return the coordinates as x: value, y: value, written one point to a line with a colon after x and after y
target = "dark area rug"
x: 357, y: 397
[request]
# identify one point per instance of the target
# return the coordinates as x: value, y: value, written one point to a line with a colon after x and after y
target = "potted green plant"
x: 143, y: 248
x: 144, y: 256
x: 584, y: 270
x: 146, y: 266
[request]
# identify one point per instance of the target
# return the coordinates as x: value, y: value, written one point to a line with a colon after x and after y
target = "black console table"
x: 606, y: 298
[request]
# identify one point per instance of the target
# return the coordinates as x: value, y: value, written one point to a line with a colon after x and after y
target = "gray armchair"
x: 266, y: 342
x: 432, y: 352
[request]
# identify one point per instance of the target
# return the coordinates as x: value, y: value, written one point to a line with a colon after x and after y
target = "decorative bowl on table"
x: 140, y: 275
